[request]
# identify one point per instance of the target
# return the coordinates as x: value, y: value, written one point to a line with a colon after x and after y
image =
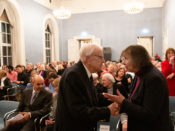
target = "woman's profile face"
x: 128, y: 62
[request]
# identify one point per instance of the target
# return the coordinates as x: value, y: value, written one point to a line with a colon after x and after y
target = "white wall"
x: 168, y: 25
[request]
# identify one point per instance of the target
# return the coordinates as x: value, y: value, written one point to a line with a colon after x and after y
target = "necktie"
x: 34, y: 95
x: 91, y: 81
x: 93, y: 90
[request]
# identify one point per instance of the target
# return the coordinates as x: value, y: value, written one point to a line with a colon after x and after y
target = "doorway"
x: 147, y: 42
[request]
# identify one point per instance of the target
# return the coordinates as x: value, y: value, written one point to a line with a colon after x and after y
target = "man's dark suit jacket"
x: 79, y: 107
x: 41, y: 105
x: 149, y: 110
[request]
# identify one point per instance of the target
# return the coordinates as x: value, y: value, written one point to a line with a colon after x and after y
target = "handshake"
x: 114, y: 107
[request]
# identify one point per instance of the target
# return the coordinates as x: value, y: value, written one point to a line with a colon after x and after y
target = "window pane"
x: 9, y: 60
x: 48, y: 59
x: 8, y: 28
x: 8, y: 38
x: 4, y: 60
x: 48, y: 37
x: 9, y: 51
x: 48, y: 52
x: 4, y: 51
x: 45, y: 36
x: 48, y: 44
x: 3, y: 38
x: 3, y: 27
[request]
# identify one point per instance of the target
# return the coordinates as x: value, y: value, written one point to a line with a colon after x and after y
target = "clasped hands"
x: 115, y: 107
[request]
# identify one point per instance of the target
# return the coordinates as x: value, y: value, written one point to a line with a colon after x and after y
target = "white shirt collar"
x: 33, y: 92
x: 87, y: 71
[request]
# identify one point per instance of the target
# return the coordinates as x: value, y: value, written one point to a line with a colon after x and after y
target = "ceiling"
x: 83, y: 6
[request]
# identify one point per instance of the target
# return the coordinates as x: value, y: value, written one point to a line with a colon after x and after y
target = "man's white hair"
x: 87, y: 50
x: 109, y: 77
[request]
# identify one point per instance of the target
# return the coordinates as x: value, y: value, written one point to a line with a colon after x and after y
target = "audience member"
x: 35, y: 103
x: 51, y: 121
x: 108, y: 84
x: 11, y: 74
x: 168, y: 70
x: 4, y: 84
x: 121, y: 82
x: 22, y: 79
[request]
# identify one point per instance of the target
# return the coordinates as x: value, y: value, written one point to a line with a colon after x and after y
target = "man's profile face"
x: 96, y: 60
x: 38, y: 84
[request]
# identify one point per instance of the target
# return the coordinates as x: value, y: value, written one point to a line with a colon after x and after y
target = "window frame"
x: 6, y: 44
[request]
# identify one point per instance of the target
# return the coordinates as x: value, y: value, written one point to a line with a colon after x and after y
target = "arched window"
x: 5, y: 40
x: 50, y: 39
x: 12, y: 48
x: 48, y: 44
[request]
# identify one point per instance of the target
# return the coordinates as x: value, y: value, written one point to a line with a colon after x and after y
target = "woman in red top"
x: 168, y: 69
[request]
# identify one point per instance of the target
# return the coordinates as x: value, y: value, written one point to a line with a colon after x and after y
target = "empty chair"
x: 11, y: 93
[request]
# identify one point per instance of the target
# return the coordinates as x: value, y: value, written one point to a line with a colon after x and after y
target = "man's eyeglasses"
x: 38, y: 84
x: 101, y: 57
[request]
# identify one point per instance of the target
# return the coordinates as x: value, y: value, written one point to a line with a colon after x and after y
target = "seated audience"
x: 4, y: 84
x: 32, y: 75
x: 108, y: 84
x: 11, y: 74
x: 97, y: 84
x: 35, y: 103
x: 122, y: 82
x: 22, y: 79
x: 48, y: 82
x: 51, y: 121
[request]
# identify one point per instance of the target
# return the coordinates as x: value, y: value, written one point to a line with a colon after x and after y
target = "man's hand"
x: 50, y: 121
x: 125, y: 126
x: 114, y: 98
x: 114, y: 109
x: 26, y: 117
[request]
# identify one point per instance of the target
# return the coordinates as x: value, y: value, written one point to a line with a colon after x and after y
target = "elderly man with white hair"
x: 78, y: 107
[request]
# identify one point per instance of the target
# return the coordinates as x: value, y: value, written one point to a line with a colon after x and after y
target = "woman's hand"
x: 170, y: 76
x: 171, y: 60
x: 114, y: 98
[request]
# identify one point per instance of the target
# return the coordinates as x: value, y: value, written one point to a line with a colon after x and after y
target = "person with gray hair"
x: 79, y: 107
x: 108, y: 83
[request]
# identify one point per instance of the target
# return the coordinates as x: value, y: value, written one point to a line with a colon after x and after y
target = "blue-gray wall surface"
x: 115, y: 28
x: 33, y: 17
x: 168, y: 21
